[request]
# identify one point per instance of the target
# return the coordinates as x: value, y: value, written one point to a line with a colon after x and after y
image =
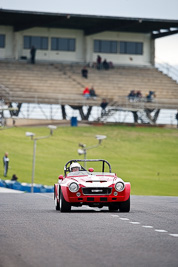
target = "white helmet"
x: 75, y: 165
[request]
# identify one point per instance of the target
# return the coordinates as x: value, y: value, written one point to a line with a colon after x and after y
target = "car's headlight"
x: 119, y: 186
x: 73, y: 187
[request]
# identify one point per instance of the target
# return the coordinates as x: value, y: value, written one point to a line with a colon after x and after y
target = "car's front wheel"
x: 64, y: 206
x: 113, y: 207
x: 56, y: 203
x: 125, y: 206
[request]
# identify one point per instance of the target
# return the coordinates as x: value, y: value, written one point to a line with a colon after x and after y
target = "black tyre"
x: 56, y: 203
x: 64, y: 206
x: 125, y: 206
x: 113, y: 207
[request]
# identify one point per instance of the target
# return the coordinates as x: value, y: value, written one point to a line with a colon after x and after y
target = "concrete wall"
x: 48, y: 55
x: 144, y: 59
x: 7, y: 52
x: 84, y: 46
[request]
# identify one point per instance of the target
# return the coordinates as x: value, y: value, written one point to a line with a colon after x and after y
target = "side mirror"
x: 91, y: 170
x: 60, y: 178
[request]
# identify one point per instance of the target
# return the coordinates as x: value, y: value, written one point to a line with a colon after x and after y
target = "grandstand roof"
x: 90, y: 24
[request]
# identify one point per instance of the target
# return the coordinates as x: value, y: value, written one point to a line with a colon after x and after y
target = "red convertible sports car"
x: 99, y: 188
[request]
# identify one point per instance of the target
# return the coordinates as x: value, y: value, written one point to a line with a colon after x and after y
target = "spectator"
x: 111, y: 66
x: 138, y: 95
x: 14, y: 177
x: 92, y: 93
x: 33, y: 54
x: 132, y: 95
x: 84, y: 72
x: 86, y: 93
x: 150, y: 96
x: 99, y: 60
x: 6, y: 163
x: 176, y: 117
x: 105, y: 65
x: 103, y: 106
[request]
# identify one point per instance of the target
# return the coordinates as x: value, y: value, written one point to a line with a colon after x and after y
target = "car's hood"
x: 95, y: 180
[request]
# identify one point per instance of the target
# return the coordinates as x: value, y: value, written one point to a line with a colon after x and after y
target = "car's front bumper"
x: 113, y: 197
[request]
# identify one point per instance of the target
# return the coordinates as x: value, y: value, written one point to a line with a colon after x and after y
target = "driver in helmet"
x: 75, y: 167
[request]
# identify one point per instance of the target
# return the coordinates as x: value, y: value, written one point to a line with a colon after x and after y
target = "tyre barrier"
x: 2, y: 183
x: 37, y: 188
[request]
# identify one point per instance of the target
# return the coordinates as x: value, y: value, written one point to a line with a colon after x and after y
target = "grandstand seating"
x: 63, y: 84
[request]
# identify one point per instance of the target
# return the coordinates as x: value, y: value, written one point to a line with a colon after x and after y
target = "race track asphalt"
x: 33, y: 233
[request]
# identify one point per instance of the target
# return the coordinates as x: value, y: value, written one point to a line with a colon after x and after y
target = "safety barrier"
x: 37, y: 188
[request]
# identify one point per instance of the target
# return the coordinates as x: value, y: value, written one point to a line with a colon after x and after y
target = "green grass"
x: 146, y: 157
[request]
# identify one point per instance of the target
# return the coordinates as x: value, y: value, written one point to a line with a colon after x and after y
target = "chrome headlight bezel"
x: 73, y: 187
x: 119, y: 186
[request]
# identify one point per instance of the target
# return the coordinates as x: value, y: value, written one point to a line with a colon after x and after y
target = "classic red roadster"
x: 79, y: 186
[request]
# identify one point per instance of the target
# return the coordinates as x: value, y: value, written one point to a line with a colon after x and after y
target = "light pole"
x: 29, y: 134
x: 83, y: 149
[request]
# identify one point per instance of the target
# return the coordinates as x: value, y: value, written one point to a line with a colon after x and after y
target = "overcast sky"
x: 166, y: 48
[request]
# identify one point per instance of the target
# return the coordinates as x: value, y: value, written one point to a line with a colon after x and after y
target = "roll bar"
x: 67, y: 165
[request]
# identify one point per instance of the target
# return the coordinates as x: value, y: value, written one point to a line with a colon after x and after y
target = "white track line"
x: 174, y: 235
x: 160, y: 231
x: 144, y: 226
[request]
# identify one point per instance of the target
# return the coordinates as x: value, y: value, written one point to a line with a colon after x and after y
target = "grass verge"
x: 146, y: 157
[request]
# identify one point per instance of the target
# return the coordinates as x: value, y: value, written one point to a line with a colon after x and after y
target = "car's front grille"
x: 96, y: 190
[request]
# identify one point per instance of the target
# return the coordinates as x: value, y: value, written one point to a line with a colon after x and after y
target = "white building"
x: 80, y: 38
